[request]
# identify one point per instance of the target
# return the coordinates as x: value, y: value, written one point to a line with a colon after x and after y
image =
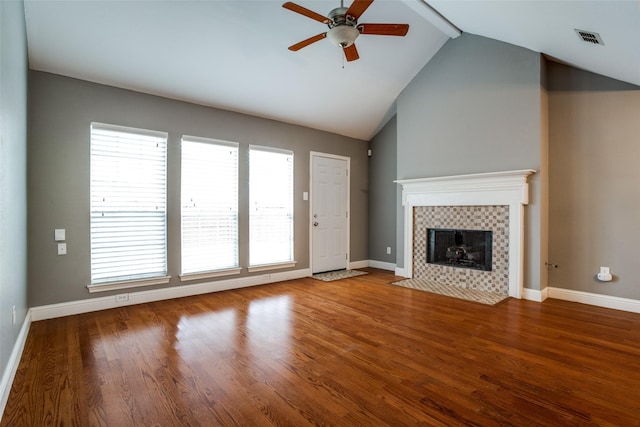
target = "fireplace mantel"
x: 508, y: 188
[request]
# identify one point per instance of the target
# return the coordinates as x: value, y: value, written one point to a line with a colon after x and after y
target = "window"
x: 209, y: 205
x: 271, y: 206
x: 128, y: 204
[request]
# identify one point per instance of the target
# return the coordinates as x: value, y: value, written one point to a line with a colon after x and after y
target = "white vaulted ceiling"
x: 548, y: 26
x: 232, y: 54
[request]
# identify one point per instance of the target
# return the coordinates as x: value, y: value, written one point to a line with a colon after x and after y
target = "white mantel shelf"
x: 494, y: 188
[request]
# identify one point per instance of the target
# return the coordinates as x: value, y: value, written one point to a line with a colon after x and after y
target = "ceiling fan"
x: 344, y: 28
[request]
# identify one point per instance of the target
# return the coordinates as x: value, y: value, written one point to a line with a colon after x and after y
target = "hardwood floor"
x: 354, y: 352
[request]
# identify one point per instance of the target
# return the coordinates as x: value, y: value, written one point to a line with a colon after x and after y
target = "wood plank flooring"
x: 354, y: 352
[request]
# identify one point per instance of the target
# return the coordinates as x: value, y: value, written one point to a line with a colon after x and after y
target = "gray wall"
x: 13, y: 174
x: 594, y: 181
x: 61, y: 110
x: 477, y: 107
x: 382, y: 193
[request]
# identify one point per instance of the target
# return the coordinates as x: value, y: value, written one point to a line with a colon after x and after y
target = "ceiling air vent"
x: 589, y: 37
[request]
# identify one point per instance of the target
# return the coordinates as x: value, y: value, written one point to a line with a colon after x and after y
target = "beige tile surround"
x: 488, y: 218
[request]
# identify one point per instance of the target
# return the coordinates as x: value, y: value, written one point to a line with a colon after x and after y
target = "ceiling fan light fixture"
x: 343, y: 35
x: 343, y: 26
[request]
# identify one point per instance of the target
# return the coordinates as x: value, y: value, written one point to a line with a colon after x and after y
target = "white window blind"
x: 128, y: 203
x: 209, y: 205
x: 271, y: 206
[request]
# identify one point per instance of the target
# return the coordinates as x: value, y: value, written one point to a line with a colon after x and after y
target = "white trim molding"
x: 103, y: 303
x: 210, y: 274
x: 389, y: 266
x: 535, y: 295
x: 508, y: 188
x: 267, y: 267
x: 12, y: 364
x: 358, y: 264
x: 402, y: 272
x: 600, y: 300
x: 127, y: 284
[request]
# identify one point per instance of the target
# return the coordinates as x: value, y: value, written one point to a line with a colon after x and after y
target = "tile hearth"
x: 482, y: 297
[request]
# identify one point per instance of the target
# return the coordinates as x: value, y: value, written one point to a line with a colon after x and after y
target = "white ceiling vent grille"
x: 589, y: 37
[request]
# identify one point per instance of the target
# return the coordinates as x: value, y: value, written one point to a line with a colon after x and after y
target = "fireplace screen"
x: 459, y: 248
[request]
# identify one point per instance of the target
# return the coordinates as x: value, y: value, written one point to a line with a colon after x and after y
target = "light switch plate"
x: 60, y: 234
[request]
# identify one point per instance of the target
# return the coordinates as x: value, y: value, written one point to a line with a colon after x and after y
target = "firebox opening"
x: 460, y: 248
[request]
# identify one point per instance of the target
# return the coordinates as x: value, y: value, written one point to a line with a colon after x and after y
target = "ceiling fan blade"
x: 351, y: 53
x: 384, y: 29
x: 306, y: 12
x: 307, y: 42
x: 358, y: 7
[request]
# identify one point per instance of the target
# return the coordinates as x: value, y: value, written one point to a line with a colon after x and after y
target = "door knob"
x: 315, y: 224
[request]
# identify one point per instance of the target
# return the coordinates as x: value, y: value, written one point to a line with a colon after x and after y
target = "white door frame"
x: 313, y: 154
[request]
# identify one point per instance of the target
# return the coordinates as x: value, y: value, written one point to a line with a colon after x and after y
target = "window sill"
x: 114, y: 286
x: 209, y: 274
x: 266, y: 267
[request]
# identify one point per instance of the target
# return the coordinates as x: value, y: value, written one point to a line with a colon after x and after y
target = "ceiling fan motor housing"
x: 342, y: 28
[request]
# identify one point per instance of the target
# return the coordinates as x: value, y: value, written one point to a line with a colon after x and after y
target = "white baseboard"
x: 535, y: 295
x: 358, y: 264
x: 12, y: 364
x: 103, y: 303
x: 400, y: 271
x: 382, y: 265
x: 606, y: 301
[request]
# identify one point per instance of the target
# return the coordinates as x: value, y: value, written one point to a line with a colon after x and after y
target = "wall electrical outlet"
x: 388, y: 250
x: 62, y: 248
x: 605, y: 274
x: 122, y: 297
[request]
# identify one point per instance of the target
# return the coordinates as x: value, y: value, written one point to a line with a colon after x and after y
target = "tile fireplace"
x: 490, y: 202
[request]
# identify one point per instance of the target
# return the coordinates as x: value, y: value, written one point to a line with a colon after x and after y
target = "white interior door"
x: 329, y: 213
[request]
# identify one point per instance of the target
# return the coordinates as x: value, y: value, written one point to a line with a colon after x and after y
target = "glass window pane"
x: 128, y: 203
x: 271, y: 206
x: 209, y: 205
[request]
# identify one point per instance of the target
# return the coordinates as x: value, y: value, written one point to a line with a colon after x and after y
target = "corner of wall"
x: 13, y: 190
x: 9, y: 373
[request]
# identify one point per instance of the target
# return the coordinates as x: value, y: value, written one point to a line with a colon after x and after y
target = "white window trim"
x: 148, y: 281
x: 270, y: 149
x: 210, y: 274
x: 285, y: 264
x: 127, y: 129
x: 114, y: 286
x: 265, y: 267
x: 210, y: 141
x: 225, y: 271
